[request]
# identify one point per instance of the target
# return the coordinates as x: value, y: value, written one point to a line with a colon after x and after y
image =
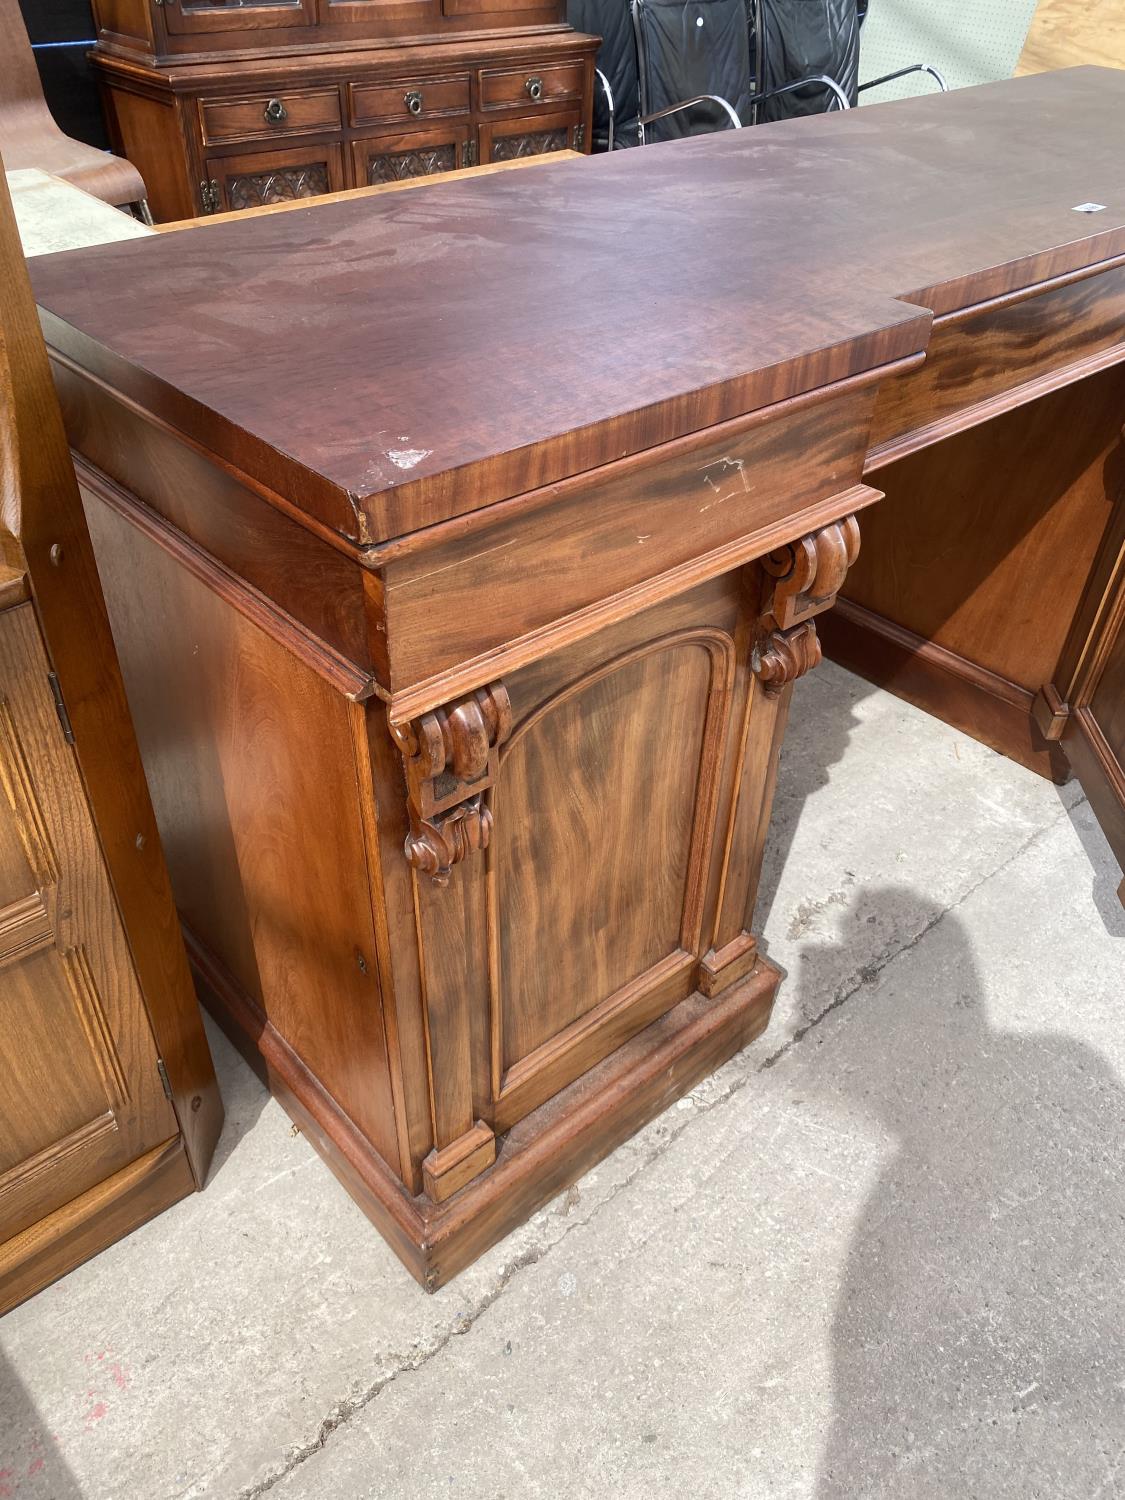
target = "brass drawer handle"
x: 275, y: 112
x: 413, y: 101
x: 534, y: 87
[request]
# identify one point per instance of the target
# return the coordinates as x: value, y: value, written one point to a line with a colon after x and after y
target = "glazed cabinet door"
x: 80, y: 1091
x: 262, y: 177
x: 190, y: 17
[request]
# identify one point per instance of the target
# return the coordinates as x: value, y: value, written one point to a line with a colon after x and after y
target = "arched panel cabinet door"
x: 607, y: 789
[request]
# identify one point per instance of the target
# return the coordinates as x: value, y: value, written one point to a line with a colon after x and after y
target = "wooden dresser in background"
x: 109, y: 1109
x: 225, y: 106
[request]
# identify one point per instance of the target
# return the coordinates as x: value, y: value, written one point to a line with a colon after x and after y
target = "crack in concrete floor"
x: 346, y: 1409
x: 869, y: 972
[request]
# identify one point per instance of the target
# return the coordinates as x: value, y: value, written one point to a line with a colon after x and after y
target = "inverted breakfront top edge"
x: 390, y: 362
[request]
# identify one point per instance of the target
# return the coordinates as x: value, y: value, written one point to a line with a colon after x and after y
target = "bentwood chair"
x: 29, y: 136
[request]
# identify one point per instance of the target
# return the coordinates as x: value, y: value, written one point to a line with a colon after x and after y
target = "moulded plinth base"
x: 538, y: 1157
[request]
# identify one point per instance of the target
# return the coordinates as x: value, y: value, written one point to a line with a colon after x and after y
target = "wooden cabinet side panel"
x: 279, y: 558
x: 250, y: 759
x: 122, y: 21
x: 148, y: 131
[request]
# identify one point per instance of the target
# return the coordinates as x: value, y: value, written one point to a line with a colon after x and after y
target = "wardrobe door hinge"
x: 163, y: 1071
x: 469, y: 154
x: 209, y: 194
x: 60, y: 708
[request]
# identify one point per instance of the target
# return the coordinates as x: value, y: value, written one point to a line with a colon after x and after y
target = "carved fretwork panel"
x: 282, y: 185
x: 396, y: 166
x: 804, y: 579
x: 534, y: 143
x: 450, y: 761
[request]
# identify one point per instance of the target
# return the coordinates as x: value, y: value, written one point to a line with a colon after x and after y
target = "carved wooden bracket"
x: 807, y: 575
x: 450, y: 760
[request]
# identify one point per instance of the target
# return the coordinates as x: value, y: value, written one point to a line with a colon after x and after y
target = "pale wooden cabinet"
x: 82, y: 1095
x: 109, y: 1108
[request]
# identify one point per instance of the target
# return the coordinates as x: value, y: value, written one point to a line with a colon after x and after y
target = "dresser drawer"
x: 258, y: 116
x: 977, y: 359
x: 370, y: 103
x: 500, y: 90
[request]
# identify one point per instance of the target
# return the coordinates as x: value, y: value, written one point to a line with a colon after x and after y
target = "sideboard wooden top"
x: 388, y: 363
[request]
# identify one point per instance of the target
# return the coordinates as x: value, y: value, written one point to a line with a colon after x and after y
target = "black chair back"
x: 617, y: 59
x: 792, y: 39
x: 688, y: 48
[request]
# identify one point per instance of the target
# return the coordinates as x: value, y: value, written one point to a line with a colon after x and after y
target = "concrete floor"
x: 880, y: 1254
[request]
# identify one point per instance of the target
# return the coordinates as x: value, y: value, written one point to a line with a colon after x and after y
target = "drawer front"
x: 736, y: 489
x: 262, y: 116
x: 979, y: 359
x: 370, y: 103
x: 531, y: 85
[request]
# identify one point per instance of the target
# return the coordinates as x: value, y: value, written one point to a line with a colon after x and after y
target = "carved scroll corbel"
x: 806, y: 576
x: 449, y: 756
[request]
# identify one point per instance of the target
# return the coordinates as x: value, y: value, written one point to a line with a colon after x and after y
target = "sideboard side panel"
x: 250, y: 759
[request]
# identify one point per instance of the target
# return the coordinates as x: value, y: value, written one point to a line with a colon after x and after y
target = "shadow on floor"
x: 1106, y: 873
x: 29, y: 1456
x: 821, y: 720
x: 244, y: 1097
x: 978, y: 1340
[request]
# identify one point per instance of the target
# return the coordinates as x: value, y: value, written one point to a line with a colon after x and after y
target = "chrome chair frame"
x: 862, y: 8
x: 902, y: 72
x: 674, y: 109
x: 841, y: 99
x: 604, y: 81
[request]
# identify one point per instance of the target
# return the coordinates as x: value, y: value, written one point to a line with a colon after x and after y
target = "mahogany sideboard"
x: 461, y: 585
x: 228, y: 106
x: 109, y: 1108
